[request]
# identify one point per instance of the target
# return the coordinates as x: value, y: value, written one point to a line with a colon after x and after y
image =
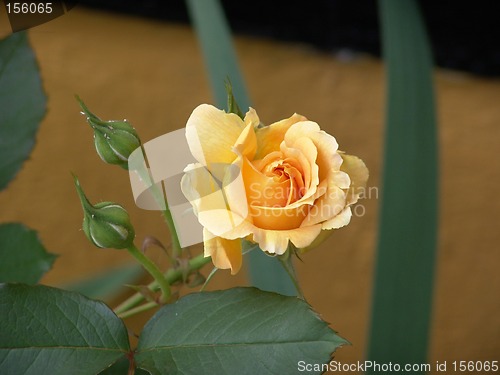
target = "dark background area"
x: 464, y: 34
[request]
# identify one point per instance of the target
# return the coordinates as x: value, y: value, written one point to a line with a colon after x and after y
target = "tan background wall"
x: 152, y: 74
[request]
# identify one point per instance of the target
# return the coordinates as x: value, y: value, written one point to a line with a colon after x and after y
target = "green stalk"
x: 154, y: 271
x: 286, y: 261
x: 171, y: 276
x: 176, y: 245
x: 167, y: 214
x: 138, y: 310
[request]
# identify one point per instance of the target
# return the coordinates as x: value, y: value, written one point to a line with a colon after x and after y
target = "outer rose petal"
x: 225, y: 253
x: 201, y: 189
x: 357, y: 171
x: 276, y: 241
x: 270, y: 137
x: 207, y: 121
x: 246, y: 144
x: 251, y: 118
x: 339, y: 221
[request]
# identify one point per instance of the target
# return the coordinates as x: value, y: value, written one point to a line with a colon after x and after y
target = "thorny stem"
x: 171, y: 276
x: 154, y: 271
x: 176, y: 246
x: 161, y: 199
x: 137, y: 310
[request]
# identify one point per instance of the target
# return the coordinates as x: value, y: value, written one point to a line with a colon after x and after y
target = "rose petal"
x: 279, y: 218
x: 246, y: 144
x: 251, y: 118
x: 201, y: 189
x: 225, y: 253
x: 328, y: 159
x: 224, y: 223
x: 211, y: 134
x: 276, y: 241
x: 357, y: 171
x: 305, y: 153
x: 262, y: 190
x: 339, y: 221
x: 326, y: 207
x: 220, y: 207
x: 270, y: 137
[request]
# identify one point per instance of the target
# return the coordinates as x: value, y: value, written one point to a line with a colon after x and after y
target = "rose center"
x: 288, y: 182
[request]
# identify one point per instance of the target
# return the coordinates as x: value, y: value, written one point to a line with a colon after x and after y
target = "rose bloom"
x: 272, y: 185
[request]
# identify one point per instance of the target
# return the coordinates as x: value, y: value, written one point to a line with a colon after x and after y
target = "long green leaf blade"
x: 49, y: 331
x: 220, y: 58
x: 235, y: 331
x: 22, y: 104
x: 408, y: 223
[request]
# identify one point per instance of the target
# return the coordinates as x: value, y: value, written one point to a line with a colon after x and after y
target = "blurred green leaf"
x: 235, y: 331
x: 22, y: 104
x: 23, y: 257
x: 107, y: 284
x: 216, y: 43
x: 215, y: 39
x: 50, y: 331
x: 408, y: 223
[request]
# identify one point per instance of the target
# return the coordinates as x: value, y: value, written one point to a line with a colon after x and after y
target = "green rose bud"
x: 114, y: 140
x: 106, y: 224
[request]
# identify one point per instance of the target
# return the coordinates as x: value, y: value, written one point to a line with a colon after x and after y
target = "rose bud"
x: 114, y: 140
x: 106, y: 224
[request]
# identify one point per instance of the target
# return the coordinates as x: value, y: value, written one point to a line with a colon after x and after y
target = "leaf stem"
x: 154, y: 271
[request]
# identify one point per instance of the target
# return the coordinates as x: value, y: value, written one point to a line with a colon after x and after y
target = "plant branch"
x: 171, y: 276
x: 154, y: 271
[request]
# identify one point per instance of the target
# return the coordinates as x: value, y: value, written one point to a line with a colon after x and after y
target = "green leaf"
x: 215, y: 39
x: 235, y: 331
x: 24, y: 259
x: 408, y: 223
x: 45, y: 330
x: 22, y: 104
x: 107, y: 284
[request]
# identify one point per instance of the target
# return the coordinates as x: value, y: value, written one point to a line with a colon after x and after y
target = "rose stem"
x: 171, y: 276
x: 154, y: 271
x: 287, y: 263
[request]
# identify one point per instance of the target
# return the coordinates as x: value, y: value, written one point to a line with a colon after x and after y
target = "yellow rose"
x: 286, y: 182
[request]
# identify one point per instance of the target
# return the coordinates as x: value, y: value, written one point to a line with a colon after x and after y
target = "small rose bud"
x: 106, y: 224
x: 114, y: 140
